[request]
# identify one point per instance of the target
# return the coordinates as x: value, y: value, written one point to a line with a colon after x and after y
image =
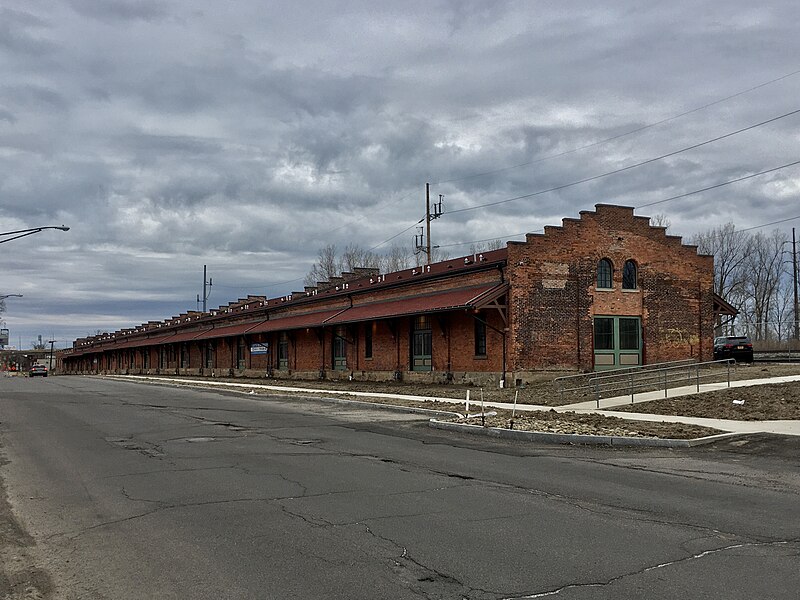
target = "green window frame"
x: 422, y: 344
x: 241, y: 354
x: 283, y: 351
x: 480, y: 335
x: 368, y: 339
x: 603, y: 333
x: 339, y: 353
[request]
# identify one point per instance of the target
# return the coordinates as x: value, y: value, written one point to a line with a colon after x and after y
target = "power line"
x: 719, y: 185
x: 485, y: 240
x: 362, y: 217
x: 621, y: 135
x: 772, y: 223
x: 627, y: 167
x: 396, y: 235
x: 692, y: 193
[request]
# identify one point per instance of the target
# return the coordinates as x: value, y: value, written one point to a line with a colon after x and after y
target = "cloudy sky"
x: 245, y: 135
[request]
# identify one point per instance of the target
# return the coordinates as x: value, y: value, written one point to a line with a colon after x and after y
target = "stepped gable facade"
x: 601, y: 291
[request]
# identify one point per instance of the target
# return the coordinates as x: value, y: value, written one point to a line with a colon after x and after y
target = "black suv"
x: 738, y: 347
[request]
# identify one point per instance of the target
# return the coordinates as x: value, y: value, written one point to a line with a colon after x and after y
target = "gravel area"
x: 756, y: 403
x: 551, y: 421
x: 590, y: 424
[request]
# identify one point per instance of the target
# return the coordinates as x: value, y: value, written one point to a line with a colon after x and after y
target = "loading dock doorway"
x: 617, y: 342
x: 422, y: 344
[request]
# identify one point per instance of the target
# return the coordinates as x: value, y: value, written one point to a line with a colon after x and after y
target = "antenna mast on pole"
x: 206, y: 284
x: 422, y: 241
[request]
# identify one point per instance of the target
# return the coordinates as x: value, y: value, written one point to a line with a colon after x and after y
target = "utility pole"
x: 422, y: 240
x: 428, y: 220
x: 206, y: 282
x: 51, y: 342
x: 794, y: 279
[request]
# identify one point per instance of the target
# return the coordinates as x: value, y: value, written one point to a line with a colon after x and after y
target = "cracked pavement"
x: 132, y: 491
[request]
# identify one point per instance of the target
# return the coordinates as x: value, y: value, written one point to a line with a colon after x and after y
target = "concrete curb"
x: 391, y: 407
x: 567, y: 438
x: 496, y: 432
x: 298, y: 393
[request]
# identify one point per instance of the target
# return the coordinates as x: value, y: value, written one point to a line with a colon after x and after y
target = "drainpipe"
x: 578, y: 315
x: 503, y: 334
x: 508, y: 318
x: 322, y: 345
x: 700, y: 322
x: 397, y: 345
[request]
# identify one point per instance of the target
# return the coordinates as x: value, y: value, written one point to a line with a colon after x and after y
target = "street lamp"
x: 24, y: 232
x: 10, y: 296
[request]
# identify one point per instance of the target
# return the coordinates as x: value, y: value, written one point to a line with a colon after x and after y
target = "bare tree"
x: 478, y: 247
x: 396, y: 260
x: 328, y: 265
x: 729, y: 249
x: 750, y: 272
x: 765, y: 271
x: 660, y: 220
x: 355, y: 256
x: 437, y: 255
x: 782, y: 313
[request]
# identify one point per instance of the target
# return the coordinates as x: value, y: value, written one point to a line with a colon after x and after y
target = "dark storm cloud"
x: 35, y: 97
x: 20, y: 33
x: 121, y: 10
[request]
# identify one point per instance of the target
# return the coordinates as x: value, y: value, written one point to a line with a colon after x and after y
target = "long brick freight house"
x: 602, y: 291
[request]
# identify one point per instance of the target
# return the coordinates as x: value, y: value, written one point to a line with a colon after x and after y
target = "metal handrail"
x: 567, y: 379
x: 652, y: 379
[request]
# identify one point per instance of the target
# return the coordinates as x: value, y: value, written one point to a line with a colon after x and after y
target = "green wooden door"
x: 617, y: 342
x: 421, y: 344
x: 339, y: 349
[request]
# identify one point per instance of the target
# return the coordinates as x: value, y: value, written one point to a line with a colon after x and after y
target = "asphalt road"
x: 129, y: 491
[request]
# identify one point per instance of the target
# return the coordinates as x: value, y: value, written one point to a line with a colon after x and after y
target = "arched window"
x: 629, y: 275
x: 604, y: 271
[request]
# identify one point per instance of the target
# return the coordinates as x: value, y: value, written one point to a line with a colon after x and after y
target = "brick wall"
x: 554, y: 294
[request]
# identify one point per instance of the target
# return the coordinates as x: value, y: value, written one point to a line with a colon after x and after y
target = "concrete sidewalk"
x: 784, y: 427
x: 606, y: 403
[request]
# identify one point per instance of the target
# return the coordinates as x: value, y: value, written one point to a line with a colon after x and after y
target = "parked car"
x: 38, y: 370
x: 738, y: 347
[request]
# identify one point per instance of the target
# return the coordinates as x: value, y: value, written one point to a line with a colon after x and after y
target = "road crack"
x: 664, y: 565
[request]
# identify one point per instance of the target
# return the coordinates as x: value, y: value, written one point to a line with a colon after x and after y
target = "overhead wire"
x: 621, y: 135
x: 627, y: 167
x: 584, y: 147
x: 772, y: 223
x: 719, y: 185
x: 594, y: 144
x: 396, y: 235
x: 684, y: 195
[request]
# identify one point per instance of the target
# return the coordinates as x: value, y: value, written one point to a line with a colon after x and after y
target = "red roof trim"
x: 229, y: 330
x: 462, y: 298
x: 301, y: 321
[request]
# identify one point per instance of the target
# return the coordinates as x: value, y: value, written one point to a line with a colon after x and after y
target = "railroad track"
x: 776, y: 356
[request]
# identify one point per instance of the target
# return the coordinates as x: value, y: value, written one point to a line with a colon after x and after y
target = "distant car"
x: 38, y: 370
x: 738, y: 347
